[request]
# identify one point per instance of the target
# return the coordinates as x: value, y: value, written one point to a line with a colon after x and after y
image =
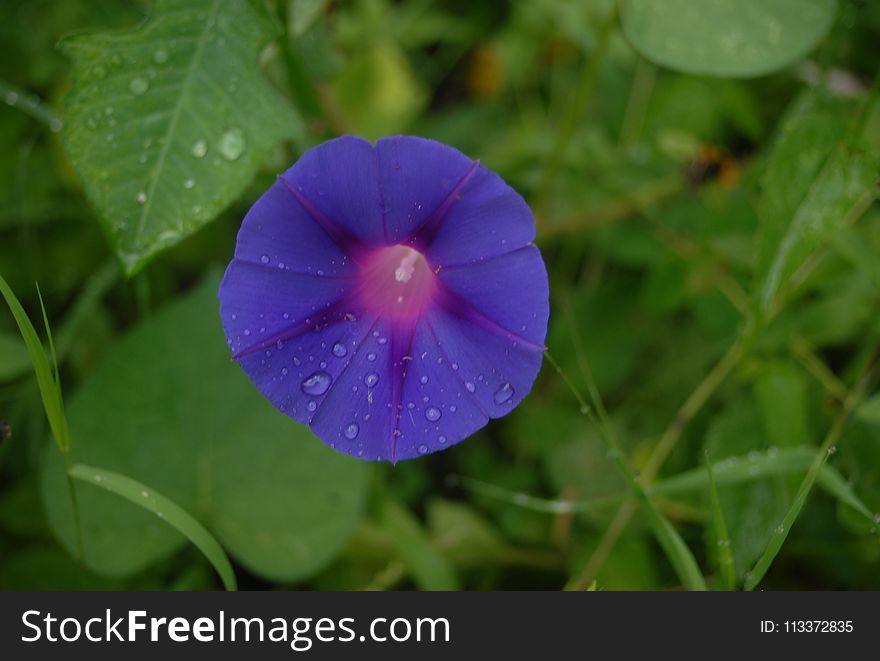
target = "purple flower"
x: 389, y: 297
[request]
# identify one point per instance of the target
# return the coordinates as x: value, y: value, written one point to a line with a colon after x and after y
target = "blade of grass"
x: 676, y: 550
x: 722, y: 538
x: 827, y: 448
x: 154, y: 502
x: 52, y: 352
x: 730, y: 471
x: 50, y: 390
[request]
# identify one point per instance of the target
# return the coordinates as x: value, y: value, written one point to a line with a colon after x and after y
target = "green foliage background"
x: 704, y: 178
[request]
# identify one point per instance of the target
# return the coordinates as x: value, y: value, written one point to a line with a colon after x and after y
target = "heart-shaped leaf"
x: 738, y: 38
x: 168, y: 408
x: 167, y: 124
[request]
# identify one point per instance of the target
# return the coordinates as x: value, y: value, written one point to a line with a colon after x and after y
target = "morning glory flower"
x: 388, y: 296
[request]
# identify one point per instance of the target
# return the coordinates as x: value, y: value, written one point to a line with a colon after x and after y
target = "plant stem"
x: 585, y: 88
x: 74, y: 503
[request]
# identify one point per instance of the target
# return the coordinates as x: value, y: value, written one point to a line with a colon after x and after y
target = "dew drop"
x: 189, y: 183
x: 423, y: 449
x: 371, y: 357
x: 469, y: 386
x: 264, y: 259
x: 232, y: 144
x: 160, y: 56
x: 339, y: 350
x: 138, y: 86
x: 371, y: 379
x: 432, y: 413
x: 317, y: 384
x: 311, y: 406
x: 503, y: 394
x: 442, y: 439
x: 423, y: 380
x: 351, y: 431
x: 455, y: 366
x: 199, y: 148
x: 141, y: 197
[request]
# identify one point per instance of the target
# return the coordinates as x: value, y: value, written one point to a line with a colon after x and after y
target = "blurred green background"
x: 712, y: 243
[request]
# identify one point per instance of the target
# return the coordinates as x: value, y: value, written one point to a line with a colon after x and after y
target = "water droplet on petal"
x: 442, y: 439
x: 311, y: 406
x: 423, y: 449
x: 371, y: 379
x: 503, y: 394
x: 232, y: 144
x: 317, y: 384
x: 470, y: 386
x: 371, y: 356
x: 351, y: 431
x: 432, y: 413
x: 423, y: 380
x: 138, y: 86
x: 199, y: 148
x: 339, y: 350
x: 264, y: 259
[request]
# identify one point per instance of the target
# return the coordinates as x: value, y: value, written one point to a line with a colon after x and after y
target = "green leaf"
x: 465, y: 537
x: 168, y: 408
x: 816, y: 178
x: 676, y: 550
x: 738, y: 38
x: 722, y: 538
x: 167, y: 124
x: 780, y: 393
x: 50, y: 390
x: 164, y: 508
x: 430, y: 569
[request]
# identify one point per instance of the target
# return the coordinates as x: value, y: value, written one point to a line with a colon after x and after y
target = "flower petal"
x: 488, y: 218
x: 278, y: 232
x: 260, y: 304
x: 495, y: 370
x: 355, y: 415
x: 337, y: 184
x: 417, y: 177
x: 300, y: 374
x: 437, y: 410
x: 511, y: 290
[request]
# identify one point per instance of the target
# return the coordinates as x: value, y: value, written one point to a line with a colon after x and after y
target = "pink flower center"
x: 397, y: 281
